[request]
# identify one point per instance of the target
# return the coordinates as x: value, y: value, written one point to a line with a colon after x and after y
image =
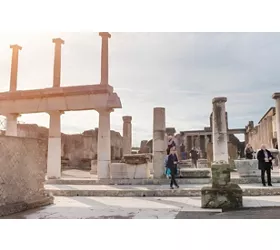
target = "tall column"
x: 104, y: 57
x: 220, y: 139
x: 57, y: 61
x: 54, y: 146
x: 276, y: 97
x: 104, y: 145
x: 159, y: 147
x: 127, y: 135
x: 11, y: 122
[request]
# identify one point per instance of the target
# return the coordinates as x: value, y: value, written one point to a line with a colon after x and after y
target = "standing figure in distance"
x: 265, y: 158
x: 194, y: 156
x: 171, y: 168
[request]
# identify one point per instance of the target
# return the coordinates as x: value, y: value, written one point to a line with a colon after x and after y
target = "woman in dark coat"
x: 172, y: 168
x: 265, y: 158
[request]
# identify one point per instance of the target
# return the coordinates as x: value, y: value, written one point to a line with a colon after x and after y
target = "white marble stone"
x: 54, y: 146
x: 247, y: 168
x: 103, y: 145
x: 219, y: 130
x: 159, y: 142
x: 11, y: 125
x: 127, y: 171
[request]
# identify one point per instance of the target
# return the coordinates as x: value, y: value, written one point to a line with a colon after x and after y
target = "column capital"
x: 105, y: 34
x: 15, y: 47
x: 276, y: 95
x: 58, y: 41
x: 219, y: 99
x: 127, y: 119
x: 105, y: 110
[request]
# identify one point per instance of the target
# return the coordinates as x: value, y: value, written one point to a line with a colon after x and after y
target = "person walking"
x: 171, y: 168
x: 265, y: 158
x: 249, y: 152
x: 194, y: 156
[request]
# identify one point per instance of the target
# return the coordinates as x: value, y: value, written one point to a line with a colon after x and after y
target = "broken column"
x: 104, y: 145
x: 105, y: 57
x: 159, y: 143
x: 54, y: 144
x: 219, y: 130
x: 11, y: 123
x: 127, y: 135
x: 222, y: 193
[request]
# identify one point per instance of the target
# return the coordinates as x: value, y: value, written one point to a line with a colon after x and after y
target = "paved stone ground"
x: 147, y: 208
x: 250, y: 213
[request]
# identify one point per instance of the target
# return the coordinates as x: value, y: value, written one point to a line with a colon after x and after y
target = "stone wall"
x: 77, y: 149
x: 262, y: 133
x: 23, y: 163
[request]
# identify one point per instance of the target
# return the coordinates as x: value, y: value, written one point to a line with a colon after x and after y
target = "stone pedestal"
x: 247, y: 168
x: 222, y: 193
x: 104, y: 145
x: 54, y: 147
x: 159, y: 142
x: 219, y: 130
x: 131, y: 167
x: 127, y: 135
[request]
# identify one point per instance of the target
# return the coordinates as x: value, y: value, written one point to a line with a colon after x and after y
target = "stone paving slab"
x: 191, y: 190
x: 139, y: 208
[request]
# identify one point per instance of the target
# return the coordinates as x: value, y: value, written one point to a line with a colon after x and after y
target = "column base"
x: 226, y: 197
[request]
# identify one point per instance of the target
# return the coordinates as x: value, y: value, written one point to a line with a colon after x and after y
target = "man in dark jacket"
x: 265, y: 158
x: 171, y: 165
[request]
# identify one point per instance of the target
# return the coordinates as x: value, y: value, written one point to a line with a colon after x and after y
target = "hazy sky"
x: 179, y: 71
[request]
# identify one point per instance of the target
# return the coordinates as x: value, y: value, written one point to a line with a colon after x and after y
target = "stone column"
x: 219, y: 131
x: 104, y: 145
x: 159, y: 145
x: 127, y: 135
x: 11, y: 123
x: 57, y: 62
x: 104, y: 57
x: 276, y: 97
x: 54, y: 146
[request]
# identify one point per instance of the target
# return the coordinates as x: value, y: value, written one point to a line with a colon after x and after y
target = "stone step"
x: 150, y: 190
x: 165, y: 181
x: 195, y: 172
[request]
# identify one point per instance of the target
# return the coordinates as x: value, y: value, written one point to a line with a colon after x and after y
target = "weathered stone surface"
x: 247, y: 168
x: 129, y: 171
x: 135, y: 159
x: 229, y: 196
x: 220, y: 174
x: 195, y: 173
x: 22, y: 166
x: 201, y: 163
x: 77, y: 150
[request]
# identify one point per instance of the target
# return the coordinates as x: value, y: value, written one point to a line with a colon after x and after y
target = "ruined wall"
x: 23, y: 163
x: 78, y: 149
x: 263, y: 133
